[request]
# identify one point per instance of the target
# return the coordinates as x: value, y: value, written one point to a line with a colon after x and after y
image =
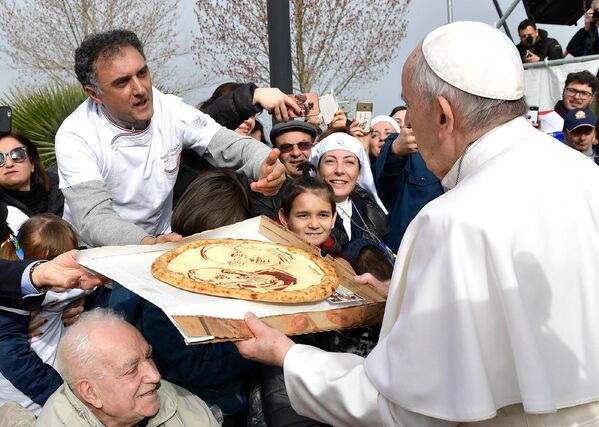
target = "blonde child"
x: 27, y: 363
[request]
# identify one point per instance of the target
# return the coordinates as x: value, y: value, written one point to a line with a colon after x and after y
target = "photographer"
x: 585, y: 41
x: 534, y: 44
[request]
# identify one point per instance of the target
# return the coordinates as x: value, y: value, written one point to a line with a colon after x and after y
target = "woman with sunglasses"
x: 24, y: 182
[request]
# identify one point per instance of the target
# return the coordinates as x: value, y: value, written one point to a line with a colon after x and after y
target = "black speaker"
x: 559, y: 12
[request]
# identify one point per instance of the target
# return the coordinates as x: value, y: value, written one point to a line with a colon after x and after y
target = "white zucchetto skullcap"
x: 476, y: 58
x: 344, y: 141
x: 385, y: 119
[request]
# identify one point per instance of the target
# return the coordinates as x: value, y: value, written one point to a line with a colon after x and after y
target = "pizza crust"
x: 247, y: 269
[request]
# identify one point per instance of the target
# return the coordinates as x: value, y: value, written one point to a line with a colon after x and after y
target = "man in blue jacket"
x: 403, y: 182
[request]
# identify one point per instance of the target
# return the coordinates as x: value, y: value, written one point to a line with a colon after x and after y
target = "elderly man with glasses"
x: 294, y: 139
x: 578, y: 92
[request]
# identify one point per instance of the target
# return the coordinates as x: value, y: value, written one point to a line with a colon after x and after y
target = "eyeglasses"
x: 583, y: 94
x: 288, y: 148
x: 17, y: 155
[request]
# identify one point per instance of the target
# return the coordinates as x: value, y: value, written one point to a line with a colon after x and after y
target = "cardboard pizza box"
x: 203, y: 318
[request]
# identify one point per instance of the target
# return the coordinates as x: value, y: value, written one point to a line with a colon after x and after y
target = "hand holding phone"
x: 344, y: 106
x: 364, y: 115
x: 533, y: 115
x: 308, y: 104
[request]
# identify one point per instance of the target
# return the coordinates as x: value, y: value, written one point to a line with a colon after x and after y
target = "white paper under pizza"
x: 130, y: 266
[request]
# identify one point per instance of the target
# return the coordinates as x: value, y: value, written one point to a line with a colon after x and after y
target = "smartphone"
x: 344, y: 106
x: 533, y: 114
x: 308, y: 103
x: 364, y: 114
x: 5, y: 119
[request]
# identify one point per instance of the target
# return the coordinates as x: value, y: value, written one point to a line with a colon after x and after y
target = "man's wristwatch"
x: 40, y: 289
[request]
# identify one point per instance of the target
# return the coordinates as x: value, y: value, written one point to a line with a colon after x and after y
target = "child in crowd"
x: 308, y: 209
x: 28, y: 374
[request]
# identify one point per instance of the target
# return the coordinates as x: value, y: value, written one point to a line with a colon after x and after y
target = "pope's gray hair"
x: 76, y: 351
x: 475, y: 112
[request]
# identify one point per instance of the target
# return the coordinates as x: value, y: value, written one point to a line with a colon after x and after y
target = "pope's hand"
x: 268, y: 346
x: 63, y: 272
x: 369, y: 279
x: 272, y: 175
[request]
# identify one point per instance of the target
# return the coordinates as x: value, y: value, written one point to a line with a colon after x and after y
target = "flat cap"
x: 283, y: 127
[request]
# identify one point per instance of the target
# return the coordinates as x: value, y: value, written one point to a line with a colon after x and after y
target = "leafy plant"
x: 39, y: 113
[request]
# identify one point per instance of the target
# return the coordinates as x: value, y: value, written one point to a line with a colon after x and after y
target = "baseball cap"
x: 579, y: 117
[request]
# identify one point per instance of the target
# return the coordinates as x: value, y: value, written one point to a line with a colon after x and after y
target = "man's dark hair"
x: 398, y: 108
x: 103, y: 45
x: 582, y: 77
x: 525, y: 24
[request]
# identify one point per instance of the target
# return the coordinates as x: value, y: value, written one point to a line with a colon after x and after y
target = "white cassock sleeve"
x: 333, y: 388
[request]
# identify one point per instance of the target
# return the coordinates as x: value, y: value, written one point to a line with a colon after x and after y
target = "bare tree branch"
x: 43, y: 34
x: 335, y: 44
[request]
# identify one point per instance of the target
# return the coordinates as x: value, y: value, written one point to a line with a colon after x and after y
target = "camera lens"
x: 529, y: 40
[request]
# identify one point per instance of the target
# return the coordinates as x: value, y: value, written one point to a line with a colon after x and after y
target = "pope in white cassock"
x: 492, y: 317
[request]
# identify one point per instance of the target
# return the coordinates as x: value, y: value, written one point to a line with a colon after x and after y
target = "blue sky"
x: 424, y: 16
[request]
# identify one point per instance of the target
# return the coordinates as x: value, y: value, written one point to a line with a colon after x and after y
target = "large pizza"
x: 247, y: 269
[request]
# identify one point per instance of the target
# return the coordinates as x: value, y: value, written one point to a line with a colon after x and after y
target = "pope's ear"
x: 93, y: 94
x: 444, y: 118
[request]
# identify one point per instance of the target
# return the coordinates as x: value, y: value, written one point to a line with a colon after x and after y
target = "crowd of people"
x: 468, y: 215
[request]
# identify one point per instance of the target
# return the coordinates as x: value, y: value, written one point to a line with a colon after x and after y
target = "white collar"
x: 484, y: 148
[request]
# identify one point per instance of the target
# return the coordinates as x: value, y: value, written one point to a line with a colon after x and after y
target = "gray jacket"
x: 178, y: 408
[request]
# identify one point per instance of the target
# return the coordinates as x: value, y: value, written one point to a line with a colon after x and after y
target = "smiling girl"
x: 308, y: 209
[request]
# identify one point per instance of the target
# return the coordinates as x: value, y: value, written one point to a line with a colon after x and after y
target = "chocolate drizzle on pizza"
x: 262, y: 280
x: 248, y: 270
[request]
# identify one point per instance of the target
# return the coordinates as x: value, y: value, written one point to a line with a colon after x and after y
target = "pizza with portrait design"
x: 247, y: 269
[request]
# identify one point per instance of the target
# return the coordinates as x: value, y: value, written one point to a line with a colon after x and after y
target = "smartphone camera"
x: 5, y: 119
x: 596, y: 15
x: 533, y: 115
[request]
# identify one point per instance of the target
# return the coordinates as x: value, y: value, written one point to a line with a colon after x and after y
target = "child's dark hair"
x: 366, y: 256
x: 216, y: 198
x: 307, y: 183
x: 373, y: 260
x: 43, y: 236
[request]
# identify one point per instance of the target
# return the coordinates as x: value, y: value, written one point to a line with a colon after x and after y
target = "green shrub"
x: 38, y: 113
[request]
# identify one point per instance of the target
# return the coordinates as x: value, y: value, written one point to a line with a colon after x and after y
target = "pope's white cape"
x: 497, y: 285
x: 500, y: 277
